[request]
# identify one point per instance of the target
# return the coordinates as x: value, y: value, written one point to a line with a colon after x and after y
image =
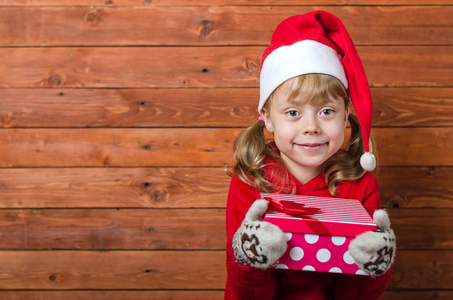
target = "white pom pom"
x: 368, y: 161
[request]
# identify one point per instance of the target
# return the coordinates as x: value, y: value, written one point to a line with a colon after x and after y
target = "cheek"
x: 338, y: 135
x: 285, y: 132
x: 336, y: 130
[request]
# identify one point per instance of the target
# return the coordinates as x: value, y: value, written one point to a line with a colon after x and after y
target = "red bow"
x: 291, y: 208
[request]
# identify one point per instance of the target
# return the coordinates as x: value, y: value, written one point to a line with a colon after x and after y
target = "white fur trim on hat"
x: 304, y: 57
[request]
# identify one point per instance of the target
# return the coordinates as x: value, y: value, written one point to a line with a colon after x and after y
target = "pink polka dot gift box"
x: 318, y: 230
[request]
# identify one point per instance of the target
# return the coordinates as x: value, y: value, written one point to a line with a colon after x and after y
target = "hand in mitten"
x: 258, y: 243
x: 374, y: 251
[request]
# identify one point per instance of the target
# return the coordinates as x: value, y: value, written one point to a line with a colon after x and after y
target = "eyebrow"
x: 322, y: 101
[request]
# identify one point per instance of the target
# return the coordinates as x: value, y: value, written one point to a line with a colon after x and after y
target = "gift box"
x: 319, y: 234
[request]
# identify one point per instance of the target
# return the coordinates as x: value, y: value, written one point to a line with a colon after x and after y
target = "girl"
x: 308, y: 73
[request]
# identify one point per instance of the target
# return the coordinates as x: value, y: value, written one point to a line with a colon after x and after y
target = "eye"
x: 327, y: 112
x: 293, y: 113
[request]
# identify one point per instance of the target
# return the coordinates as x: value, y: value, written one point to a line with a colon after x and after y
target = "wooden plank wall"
x: 117, y: 116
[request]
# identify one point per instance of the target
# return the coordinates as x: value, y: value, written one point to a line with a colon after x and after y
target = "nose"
x: 310, y: 125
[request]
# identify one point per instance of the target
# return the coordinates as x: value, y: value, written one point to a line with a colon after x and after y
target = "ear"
x: 267, y: 120
x: 346, y: 117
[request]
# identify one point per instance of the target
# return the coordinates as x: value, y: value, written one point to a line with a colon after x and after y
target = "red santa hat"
x: 318, y: 42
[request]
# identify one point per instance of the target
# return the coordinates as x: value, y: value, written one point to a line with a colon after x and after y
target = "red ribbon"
x: 291, y: 208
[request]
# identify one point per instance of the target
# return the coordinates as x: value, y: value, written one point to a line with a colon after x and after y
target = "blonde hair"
x: 251, y: 147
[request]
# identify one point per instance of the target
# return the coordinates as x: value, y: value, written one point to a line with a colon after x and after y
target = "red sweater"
x: 250, y: 283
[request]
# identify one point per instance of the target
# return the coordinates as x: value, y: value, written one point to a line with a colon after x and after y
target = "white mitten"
x: 374, y: 251
x: 258, y: 243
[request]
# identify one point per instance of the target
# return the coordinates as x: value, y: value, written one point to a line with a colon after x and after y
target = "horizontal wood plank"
x: 198, y: 25
x: 416, y: 187
x: 412, y: 295
x: 188, y: 187
x: 111, y: 229
x: 221, y: 107
x: 153, y: 3
x: 183, y: 67
x: 418, y: 229
x: 189, y: 147
x: 173, y: 67
x: 112, y: 295
x: 407, y: 107
x: 420, y: 270
x: 403, y: 69
x: 180, y: 229
x: 61, y: 270
x: 400, y: 147
x: 114, y: 187
x: 218, y: 107
x: 112, y: 270
x: 189, y: 295
x: 116, y: 147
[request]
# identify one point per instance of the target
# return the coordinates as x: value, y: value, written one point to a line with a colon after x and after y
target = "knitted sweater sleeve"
x: 363, y: 287
x: 243, y: 282
x: 369, y: 193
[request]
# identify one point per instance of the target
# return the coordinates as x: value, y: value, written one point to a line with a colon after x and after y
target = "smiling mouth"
x: 311, y: 146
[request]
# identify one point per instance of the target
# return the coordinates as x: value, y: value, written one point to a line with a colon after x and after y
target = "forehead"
x: 313, y: 89
x: 284, y: 97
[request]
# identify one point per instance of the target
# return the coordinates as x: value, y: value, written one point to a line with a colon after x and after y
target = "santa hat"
x: 317, y: 42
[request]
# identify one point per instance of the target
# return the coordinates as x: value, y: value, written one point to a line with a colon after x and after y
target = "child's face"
x: 307, y: 134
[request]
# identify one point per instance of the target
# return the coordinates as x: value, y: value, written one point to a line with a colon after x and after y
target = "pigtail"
x: 345, y: 164
x: 250, y: 151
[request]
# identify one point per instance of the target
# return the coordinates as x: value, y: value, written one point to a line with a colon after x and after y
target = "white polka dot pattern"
x: 338, y: 240
x: 308, y: 268
x: 361, y: 272
x: 288, y: 235
x: 348, y: 258
x: 311, y: 238
x: 335, y: 270
x: 281, y: 266
x: 296, y: 253
x: 323, y: 255
x: 319, y: 253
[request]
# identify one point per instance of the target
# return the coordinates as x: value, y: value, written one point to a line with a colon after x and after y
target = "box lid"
x: 338, y: 216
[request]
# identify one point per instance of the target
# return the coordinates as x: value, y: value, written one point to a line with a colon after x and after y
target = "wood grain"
x: 112, y: 295
x: 218, y: 107
x: 423, y: 187
x: 180, y: 229
x: 189, y: 295
x: 207, y: 25
x: 61, y: 270
x: 183, y: 67
x: 420, y: 270
x: 414, y: 146
x: 414, y: 295
x: 416, y: 187
x: 112, y: 270
x: 423, y: 229
x: 113, y: 229
x: 153, y: 3
x: 407, y: 107
x: 113, y: 187
x: 189, y: 147
x: 221, y: 107
x: 134, y: 67
x: 116, y: 147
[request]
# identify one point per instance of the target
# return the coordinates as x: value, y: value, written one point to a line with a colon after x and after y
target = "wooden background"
x: 117, y: 116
